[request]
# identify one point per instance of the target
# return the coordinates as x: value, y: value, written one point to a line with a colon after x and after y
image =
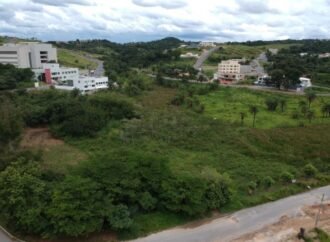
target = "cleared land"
x: 55, y: 153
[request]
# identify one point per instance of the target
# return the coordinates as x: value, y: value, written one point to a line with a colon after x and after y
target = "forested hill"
x: 98, y: 46
x: 120, y: 58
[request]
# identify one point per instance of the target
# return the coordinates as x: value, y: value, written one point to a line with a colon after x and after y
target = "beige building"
x: 27, y: 54
x: 232, y: 68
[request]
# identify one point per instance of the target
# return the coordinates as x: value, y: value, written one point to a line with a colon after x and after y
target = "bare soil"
x: 38, y: 138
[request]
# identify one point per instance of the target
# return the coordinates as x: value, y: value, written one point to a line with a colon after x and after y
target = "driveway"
x: 242, y: 222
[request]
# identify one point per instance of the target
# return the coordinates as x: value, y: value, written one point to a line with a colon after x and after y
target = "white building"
x: 305, y: 82
x: 205, y: 44
x: 52, y: 73
x: 85, y: 84
x: 324, y: 55
x: 69, y: 78
x: 189, y: 55
x: 27, y: 54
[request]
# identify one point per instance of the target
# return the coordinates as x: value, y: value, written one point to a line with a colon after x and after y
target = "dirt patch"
x: 286, y: 229
x: 38, y: 138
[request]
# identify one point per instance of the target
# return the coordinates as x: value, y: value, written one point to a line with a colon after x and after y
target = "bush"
x: 272, y: 104
x: 115, y: 106
x: 252, y: 186
x: 85, y: 122
x: 268, y: 181
x: 295, y: 114
x: 310, y: 170
x: 287, y: 177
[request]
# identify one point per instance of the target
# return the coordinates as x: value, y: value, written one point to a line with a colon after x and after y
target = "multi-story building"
x: 69, y: 78
x: 85, y: 84
x: 52, y: 73
x: 27, y: 54
x: 231, y: 70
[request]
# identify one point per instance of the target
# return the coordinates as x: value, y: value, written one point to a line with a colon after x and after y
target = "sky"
x: 144, y: 20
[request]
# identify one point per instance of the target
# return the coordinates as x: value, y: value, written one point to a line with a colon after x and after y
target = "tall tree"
x: 254, y: 110
x: 242, y: 116
x: 311, y: 96
x: 282, y: 104
x: 310, y: 115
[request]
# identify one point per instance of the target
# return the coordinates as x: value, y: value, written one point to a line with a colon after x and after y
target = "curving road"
x: 242, y: 222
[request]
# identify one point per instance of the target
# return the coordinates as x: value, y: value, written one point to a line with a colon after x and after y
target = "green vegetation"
x: 154, y: 153
x: 288, y: 65
x: 227, y: 104
x: 75, y: 59
x: 317, y: 235
x: 12, y: 77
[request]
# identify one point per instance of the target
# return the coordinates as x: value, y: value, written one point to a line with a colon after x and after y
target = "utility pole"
x: 318, y: 214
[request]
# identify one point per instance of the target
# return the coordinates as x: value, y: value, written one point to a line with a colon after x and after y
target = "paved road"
x: 5, y: 237
x: 241, y: 222
x: 99, y: 71
x: 203, y: 57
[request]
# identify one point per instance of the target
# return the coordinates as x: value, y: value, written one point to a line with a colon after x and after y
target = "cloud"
x: 173, y: 4
x: 62, y: 2
x: 139, y: 20
x: 255, y: 7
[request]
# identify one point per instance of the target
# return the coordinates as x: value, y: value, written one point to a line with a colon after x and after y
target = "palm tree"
x: 283, y: 104
x: 254, y: 110
x: 311, y: 96
x: 242, y: 115
x: 310, y: 115
x: 326, y: 110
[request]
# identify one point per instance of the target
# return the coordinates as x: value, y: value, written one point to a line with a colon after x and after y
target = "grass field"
x: 74, y: 59
x: 227, y: 103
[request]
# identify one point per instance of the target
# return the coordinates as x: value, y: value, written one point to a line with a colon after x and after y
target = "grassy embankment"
x: 75, y: 59
x: 198, y: 142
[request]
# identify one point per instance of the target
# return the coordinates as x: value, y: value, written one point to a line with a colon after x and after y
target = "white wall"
x: 27, y: 54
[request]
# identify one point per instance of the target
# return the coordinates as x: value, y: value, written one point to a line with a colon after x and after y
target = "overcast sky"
x: 140, y: 20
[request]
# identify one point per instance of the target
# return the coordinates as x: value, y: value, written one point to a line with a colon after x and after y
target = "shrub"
x: 252, y: 185
x: 310, y: 170
x: 268, y: 181
x: 295, y: 114
x: 272, y: 104
x: 286, y: 176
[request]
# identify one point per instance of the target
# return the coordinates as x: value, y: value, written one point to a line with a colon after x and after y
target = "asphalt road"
x: 4, y: 237
x: 242, y: 222
x: 99, y: 71
x: 203, y: 57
